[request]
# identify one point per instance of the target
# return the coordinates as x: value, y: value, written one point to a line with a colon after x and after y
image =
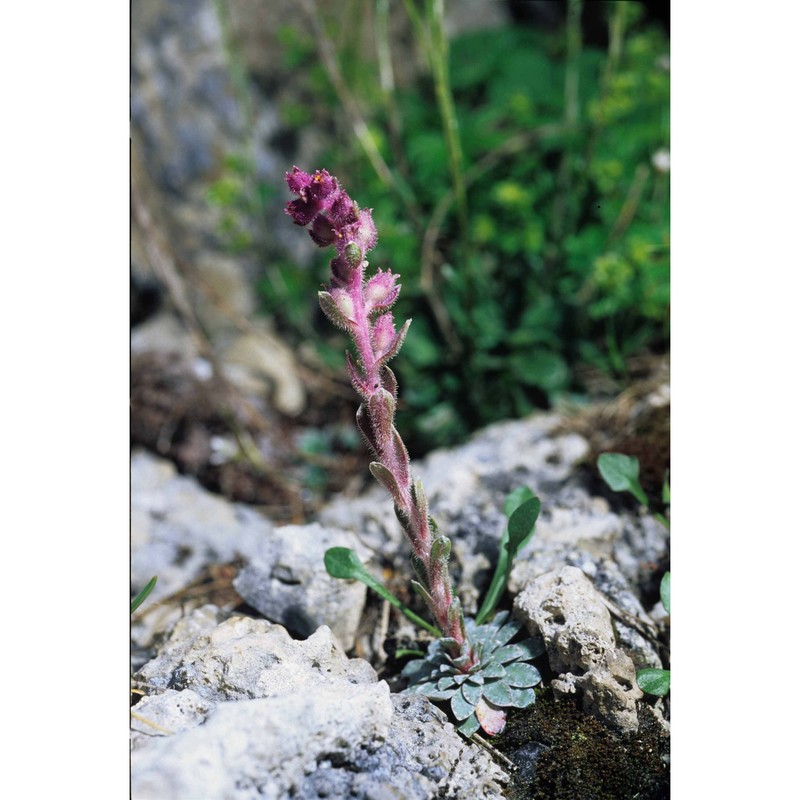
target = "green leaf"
x: 344, y: 563
x: 621, y: 473
x: 515, y: 498
x: 472, y: 693
x: 531, y: 648
x: 522, y: 698
x: 402, y: 652
x: 664, y: 591
x: 653, y: 681
x: 522, y: 675
x: 497, y: 693
x: 494, y: 669
x: 520, y: 525
x: 462, y: 708
x: 522, y: 508
x: 665, y: 490
x: 469, y: 726
x: 142, y: 596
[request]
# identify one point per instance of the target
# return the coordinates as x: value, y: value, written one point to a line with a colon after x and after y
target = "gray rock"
x: 244, y: 711
x: 287, y: 582
x: 569, y: 613
x: 179, y: 529
x: 166, y: 714
x: 240, y: 657
x: 262, y: 748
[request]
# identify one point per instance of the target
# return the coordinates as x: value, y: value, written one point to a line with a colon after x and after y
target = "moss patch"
x: 562, y: 753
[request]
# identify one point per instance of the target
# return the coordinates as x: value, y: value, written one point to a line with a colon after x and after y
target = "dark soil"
x: 563, y: 754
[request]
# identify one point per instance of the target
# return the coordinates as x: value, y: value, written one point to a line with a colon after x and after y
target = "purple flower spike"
x: 317, y: 193
x: 362, y: 309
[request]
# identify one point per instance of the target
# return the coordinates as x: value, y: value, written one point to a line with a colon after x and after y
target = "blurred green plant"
x: 651, y: 680
x: 523, y: 182
x: 142, y: 596
x: 621, y: 474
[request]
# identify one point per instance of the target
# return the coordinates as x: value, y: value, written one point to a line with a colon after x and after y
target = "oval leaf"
x: 494, y: 669
x: 653, y: 681
x: 522, y: 675
x: 469, y: 726
x: 472, y: 693
x: 515, y: 498
x: 664, y: 591
x: 498, y: 693
x: 492, y: 719
x: 462, y: 708
x: 511, y: 652
x: 507, y: 632
x: 621, y: 473
x: 343, y: 563
x: 520, y: 525
x: 522, y: 698
x: 533, y: 647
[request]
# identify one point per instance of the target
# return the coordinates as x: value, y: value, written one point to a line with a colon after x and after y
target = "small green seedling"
x: 656, y: 681
x: 522, y: 509
x: 142, y: 596
x: 621, y: 474
x: 344, y: 563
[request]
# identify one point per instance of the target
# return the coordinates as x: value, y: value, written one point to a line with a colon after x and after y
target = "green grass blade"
x: 142, y: 596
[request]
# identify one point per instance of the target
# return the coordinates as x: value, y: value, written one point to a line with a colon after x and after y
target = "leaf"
x: 653, y: 681
x: 142, y: 596
x: 507, y: 632
x: 522, y: 506
x: 522, y: 675
x: 469, y: 726
x: 533, y: 647
x: 665, y: 490
x: 515, y: 498
x: 333, y: 312
x: 386, y: 479
x: 664, y: 591
x: 492, y: 719
x: 344, y: 563
x: 522, y: 698
x: 440, y: 549
x: 494, y: 669
x: 621, y: 473
x: 462, y: 708
x: 498, y: 693
x: 520, y: 525
x: 472, y: 693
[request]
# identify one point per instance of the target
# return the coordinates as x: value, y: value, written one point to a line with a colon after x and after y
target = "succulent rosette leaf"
x: 501, y: 677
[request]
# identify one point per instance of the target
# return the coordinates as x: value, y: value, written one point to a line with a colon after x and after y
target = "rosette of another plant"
x: 478, y: 692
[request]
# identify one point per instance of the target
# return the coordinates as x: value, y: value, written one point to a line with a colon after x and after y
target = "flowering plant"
x: 470, y: 665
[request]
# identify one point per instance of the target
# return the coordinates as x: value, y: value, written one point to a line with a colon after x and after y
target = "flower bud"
x: 353, y: 254
x: 381, y: 291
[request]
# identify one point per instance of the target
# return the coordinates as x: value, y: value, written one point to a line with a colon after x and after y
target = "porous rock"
x: 569, y: 613
x: 287, y: 582
x: 241, y: 657
x: 252, y: 713
x: 178, y: 528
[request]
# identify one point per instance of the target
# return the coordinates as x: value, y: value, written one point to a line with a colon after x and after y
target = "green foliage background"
x: 558, y: 257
